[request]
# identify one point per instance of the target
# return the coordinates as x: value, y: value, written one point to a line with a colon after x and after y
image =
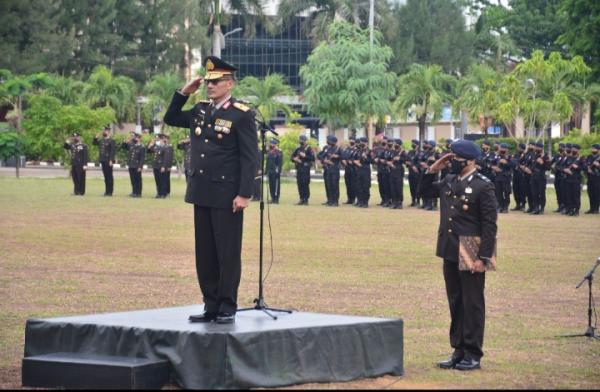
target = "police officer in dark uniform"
x: 167, y: 165
x: 363, y: 173
x: 157, y: 148
x: 332, y: 160
x: 445, y: 151
x: 413, y: 172
x: 303, y: 157
x: 107, y: 149
x: 593, y: 175
x: 186, y: 146
x: 556, y: 166
x: 502, y: 166
x: 396, y: 161
x: 383, y: 171
x: 538, y: 165
x: 349, y: 170
x: 518, y: 188
x: 468, y: 208
x: 484, y: 163
x: 135, y: 162
x: 274, y: 165
x: 426, y: 192
x: 224, y: 138
x: 573, y: 168
x: 79, y: 160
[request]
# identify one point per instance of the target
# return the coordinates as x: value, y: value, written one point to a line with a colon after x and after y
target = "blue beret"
x: 274, y: 141
x: 465, y: 149
x: 331, y: 138
x: 398, y: 141
x: 302, y: 138
x: 561, y: 145
x: 414, y: 141
x: 522, y: 145
x: 487, y: 142
x: 363, y: 140
x: 431, y: 143
x: 539, y: 144
x: 449, y: 141
x: 503, y: 145
x: 568, y: 145
x: 596, y: 146
x: 576, y: 147
x: 384, y: 137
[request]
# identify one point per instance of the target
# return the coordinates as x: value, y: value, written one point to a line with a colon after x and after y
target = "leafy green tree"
x: 288, y: 143
x: 429, y: 32
x: 12, y: 144
x: 105, y: 89
x: 423, y: 91
x: 263, y: 94
x: 477, y: 94
x: 14, y: 88
x: 580, y: 31
x: 160, y: 90
x: 69, y: 90
x: 346, y: 80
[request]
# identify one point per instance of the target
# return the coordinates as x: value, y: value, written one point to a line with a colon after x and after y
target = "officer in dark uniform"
x: 426, y: 192
x: 484, y: 163
x: 186, y: 146
x: 224, y: 139
x: 525, y: 164
x: 165, y: 171
x: 349, y: 170
x: 274, y: 165
x: 383, y: 171
x: 556, y: 166
x: 303, y: 157
x: 593, y: 175
x: 413, y: 172
x: 518, y: 190
x: 256, y: 189
x: 79, y: 160
x: 155, y: 147
x: 468, y: 207
x: 363, y: 173
x: 573, y: 168
x: 396, y: 161
x: 445, y: 151
x: 331, y: 162
x: 502, y: 166
x: 538, y: 166
x: 107, y: 149
x: 135, y: 162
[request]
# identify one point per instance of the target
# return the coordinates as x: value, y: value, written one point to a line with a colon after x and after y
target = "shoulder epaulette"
x: 484, y: 178
x: 203, y: 101
x: 241, y: 106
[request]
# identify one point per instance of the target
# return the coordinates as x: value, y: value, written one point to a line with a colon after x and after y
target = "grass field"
x: 65, y: 255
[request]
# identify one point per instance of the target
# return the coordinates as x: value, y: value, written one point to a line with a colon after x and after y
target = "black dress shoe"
x: 468, y: 364
x: 450, y: 363
x: 225, y: 318
x: 206, y: 317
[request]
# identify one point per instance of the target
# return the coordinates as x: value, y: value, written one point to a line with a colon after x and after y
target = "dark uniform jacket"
x: 187, y: 154
x: 106, y: 149
x: 274, y: 161
x: 79, y: 153
x: 223, y: 162
x: 467, y: 208
x: 136, y: 154
x: 168, y: 156
x: 307, y: 160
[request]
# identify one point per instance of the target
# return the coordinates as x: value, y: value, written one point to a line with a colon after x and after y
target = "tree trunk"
x: 422, y: 124
x: 19, y: 108
x: 17, y: 158
x: 370, y: 131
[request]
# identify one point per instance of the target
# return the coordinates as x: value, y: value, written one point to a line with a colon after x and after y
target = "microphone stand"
x: 590, y: 332
x: 260, y: 300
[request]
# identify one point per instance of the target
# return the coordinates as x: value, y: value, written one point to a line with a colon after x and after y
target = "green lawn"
x: 65, y: 255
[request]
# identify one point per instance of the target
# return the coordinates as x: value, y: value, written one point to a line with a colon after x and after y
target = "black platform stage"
x: 256, y: 351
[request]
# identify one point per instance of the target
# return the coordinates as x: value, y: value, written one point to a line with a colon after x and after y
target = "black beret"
x: 596, y: 146
x: 363, y: 140
x: 503, y: 145
x: 302, y: 138
x: 568, y: 145
x: 539, y: 144
x: 522, y: 145
x: 431, y: 143
x: 414, y: 141
x: 576, y: 146
x: 465, y: 149
x: 332, y: 138
x: 561, y: 145
x: 398, y: 141
x: 487, y: 142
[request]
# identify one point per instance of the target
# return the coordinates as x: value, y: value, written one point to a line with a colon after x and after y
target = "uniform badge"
x: 219, y: 136
x: 465, y: 207
x: 209, y: 65
x: 468, y: 190
x: 198, y: 131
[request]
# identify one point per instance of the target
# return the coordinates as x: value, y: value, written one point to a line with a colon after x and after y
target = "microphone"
x: 590, y: 273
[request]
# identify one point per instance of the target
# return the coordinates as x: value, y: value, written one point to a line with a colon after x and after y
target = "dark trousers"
x: 363, y: 184
x: 167, y: 182
x: 466, y: 299
x: 218, y: 234
x: 573, y: 195
x: 397, y: 186
x: 517, y: 186
x: 594, y: 192
x: 107, y: 171
x: 381, y: 185
x: 559, y: 189
x: 538, y: 192
x: 413, y: 183
x: 526, y: 183
x: 503, y: 191
x: 332, y: 184
x: 349, y: 181
x: 78, y: 175
x: 136, y: 181
x: 256, y: 191
x: 303, y: 181
x: 162, y: 181
x: 274, y: 186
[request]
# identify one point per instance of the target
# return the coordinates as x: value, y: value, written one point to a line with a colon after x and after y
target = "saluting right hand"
x: 192, y: 86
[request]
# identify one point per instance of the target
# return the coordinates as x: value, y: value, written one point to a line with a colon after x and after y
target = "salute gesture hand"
x: 192, y: 86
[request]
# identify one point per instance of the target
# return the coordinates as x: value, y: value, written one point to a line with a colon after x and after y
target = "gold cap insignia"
x: 209, y: 65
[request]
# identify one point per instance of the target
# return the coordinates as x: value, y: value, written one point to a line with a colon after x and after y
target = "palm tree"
x: 159, y: 91
x: 423, y: 90
x: 477, y: 94
x: 263, y: 94
x: 68, y: 90
x: 104, y: 89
